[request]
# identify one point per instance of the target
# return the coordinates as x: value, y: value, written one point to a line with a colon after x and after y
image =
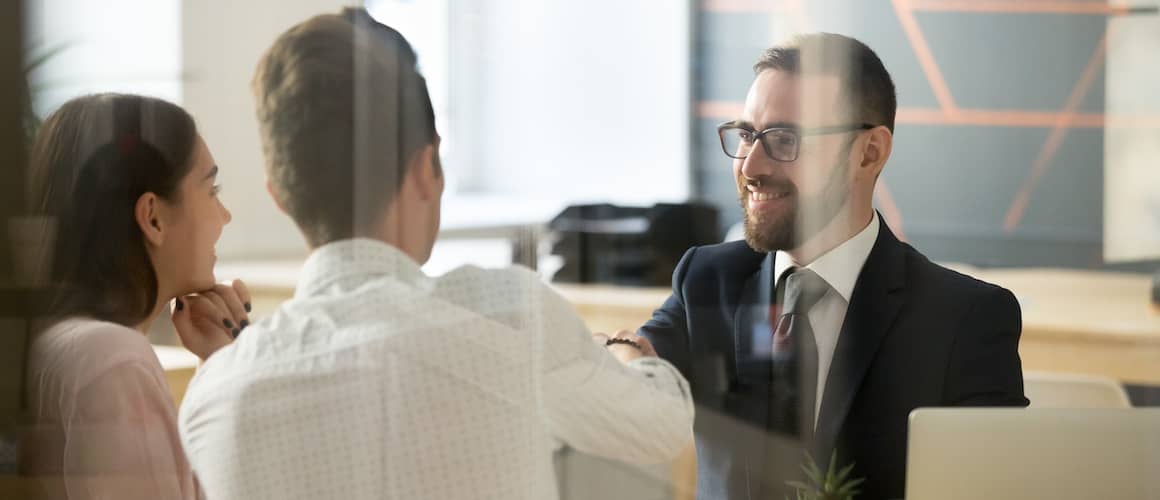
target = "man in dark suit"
x: 822, y: 330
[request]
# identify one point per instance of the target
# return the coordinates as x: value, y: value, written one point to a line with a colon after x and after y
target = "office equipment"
x: 632, y: 246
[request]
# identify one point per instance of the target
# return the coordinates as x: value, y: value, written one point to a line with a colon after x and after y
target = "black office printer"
x: 630, y: 246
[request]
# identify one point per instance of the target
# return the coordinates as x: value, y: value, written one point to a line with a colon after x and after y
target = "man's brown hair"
x: 342, y: 110
x: 865, y: 82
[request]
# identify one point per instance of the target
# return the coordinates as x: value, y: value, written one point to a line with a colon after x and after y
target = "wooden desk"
x: 1089, y: 322
x: 1073, y: 321
x: 607, y: 308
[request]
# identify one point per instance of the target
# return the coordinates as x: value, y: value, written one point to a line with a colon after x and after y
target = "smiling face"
x: 788, y: 202
x: 194, y: 219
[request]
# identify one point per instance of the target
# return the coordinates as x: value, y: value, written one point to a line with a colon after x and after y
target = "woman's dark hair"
x: 91, y: 161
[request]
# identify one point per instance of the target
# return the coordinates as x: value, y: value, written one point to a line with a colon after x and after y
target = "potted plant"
x: 834, y: 484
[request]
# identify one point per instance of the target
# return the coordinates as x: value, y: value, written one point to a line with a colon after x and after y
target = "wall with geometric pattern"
x: 998, y: 155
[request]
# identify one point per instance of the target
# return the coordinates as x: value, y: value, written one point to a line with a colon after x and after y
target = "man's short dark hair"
x: 342, y: 110
x: 865, y: 81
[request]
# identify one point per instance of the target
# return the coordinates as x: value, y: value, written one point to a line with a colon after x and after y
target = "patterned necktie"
x: 793, y: 390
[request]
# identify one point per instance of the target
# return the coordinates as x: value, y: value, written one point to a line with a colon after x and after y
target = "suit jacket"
x: 915, y: 335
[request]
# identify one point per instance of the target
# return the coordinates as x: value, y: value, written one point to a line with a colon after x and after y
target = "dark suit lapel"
x: 751, y: 338
x: 754, y: 370
x: 874, y: 303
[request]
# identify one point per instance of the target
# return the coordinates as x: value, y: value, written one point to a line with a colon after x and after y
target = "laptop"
x: 1012, y: 453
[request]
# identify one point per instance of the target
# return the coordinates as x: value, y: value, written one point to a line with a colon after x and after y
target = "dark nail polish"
x: 247, y: 306
x: 228, y: 323
x: 180, y: 305
x: 245, y: 323
x: 236, y: 332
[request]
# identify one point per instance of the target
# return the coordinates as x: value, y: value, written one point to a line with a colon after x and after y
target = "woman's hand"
x: 209, y: 320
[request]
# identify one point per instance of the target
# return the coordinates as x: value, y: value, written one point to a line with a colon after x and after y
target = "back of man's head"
x: 342, y: 108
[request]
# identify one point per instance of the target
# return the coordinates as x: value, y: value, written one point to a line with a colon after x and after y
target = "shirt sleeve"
x: 641, y: 412
x: 121, y: 438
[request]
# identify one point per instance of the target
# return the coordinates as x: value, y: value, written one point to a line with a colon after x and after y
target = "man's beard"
x: 803, y: 220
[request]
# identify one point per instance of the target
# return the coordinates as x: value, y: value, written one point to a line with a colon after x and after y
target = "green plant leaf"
x: 830, y: 472
x: 38, y: 60
x: 850, y: 489
x: 810, y: 467
x: 844, y: 473
x: 813, y: 474
x: 833, y: 484
x: 31, y: 120
x: 800, y: 485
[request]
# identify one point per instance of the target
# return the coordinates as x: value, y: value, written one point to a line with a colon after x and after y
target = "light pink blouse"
x: 105, y: 424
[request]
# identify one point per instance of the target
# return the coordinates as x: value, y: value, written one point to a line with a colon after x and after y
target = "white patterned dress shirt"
x: 377, y: 381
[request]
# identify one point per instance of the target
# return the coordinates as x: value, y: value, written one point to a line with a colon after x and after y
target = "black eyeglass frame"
x: 724, y: 128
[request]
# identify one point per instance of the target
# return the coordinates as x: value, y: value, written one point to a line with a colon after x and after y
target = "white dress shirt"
x: 840, y: 268
x: 377, y: 381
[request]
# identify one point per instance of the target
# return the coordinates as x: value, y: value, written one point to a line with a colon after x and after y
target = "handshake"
x: 625, y: 345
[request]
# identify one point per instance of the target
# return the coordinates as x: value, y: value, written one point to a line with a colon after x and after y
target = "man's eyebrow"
x: 780, y: 125
x: 749, y: 125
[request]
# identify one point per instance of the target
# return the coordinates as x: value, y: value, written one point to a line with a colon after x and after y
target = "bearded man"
x: 822, y: 330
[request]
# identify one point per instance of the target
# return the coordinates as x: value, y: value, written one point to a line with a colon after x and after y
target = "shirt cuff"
x: 663, y: 375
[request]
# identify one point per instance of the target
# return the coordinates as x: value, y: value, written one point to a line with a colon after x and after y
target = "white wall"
x: 221, y: 43
x: 553, y: 100
x: 1131, y: 152
x: 109, y: 46
x: 572, y: 100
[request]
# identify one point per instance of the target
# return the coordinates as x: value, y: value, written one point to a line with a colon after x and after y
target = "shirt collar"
x: 840, y: 266
x: 362, y: 258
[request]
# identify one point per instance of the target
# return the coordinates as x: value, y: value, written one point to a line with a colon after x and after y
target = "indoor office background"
x: 1026, y: 149
x: 1002, y: 158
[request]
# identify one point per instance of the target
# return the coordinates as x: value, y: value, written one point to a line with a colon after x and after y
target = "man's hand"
x: 625, y: 352
x: 209, y: 320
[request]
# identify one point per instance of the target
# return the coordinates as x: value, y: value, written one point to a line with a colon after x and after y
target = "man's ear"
x: 876, y: 151
x: 148, y: 214
x: 427, y: 173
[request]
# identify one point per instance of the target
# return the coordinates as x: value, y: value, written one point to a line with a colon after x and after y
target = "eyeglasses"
x: 780, y: 143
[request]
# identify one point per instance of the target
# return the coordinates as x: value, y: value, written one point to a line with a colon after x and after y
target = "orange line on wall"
x: 1079, y: 7
x: 1055, y: 138
x: 720, y: 110
x: 925, y: 58
x: 996, y: 118
x: 1019, y: 7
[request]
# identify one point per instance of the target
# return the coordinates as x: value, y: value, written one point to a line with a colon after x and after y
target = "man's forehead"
x: 782, y: 97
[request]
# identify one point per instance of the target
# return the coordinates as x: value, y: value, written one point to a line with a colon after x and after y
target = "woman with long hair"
x: 129, y: 189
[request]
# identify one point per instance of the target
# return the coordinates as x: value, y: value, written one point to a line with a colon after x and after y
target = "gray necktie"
x: 794, y: 388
